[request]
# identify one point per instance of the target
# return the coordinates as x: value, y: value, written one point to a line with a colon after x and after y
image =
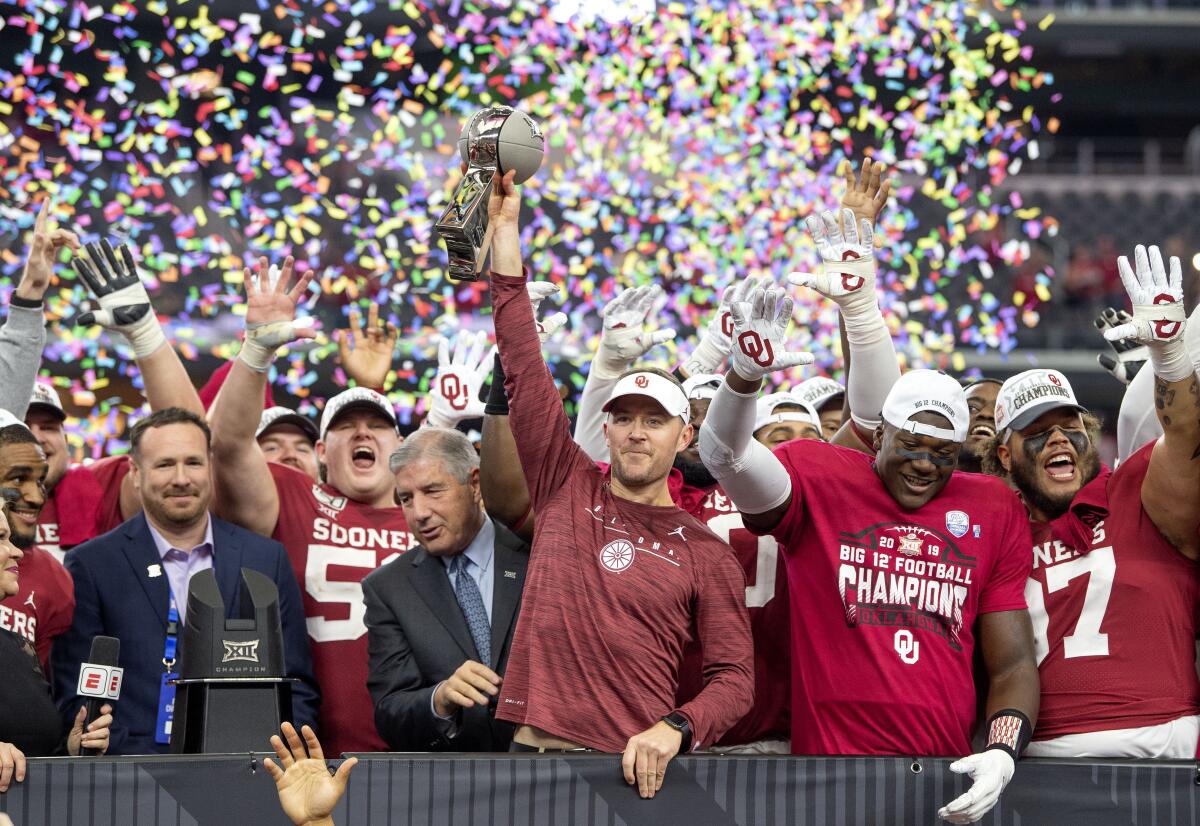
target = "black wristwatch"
x: 680, y: 723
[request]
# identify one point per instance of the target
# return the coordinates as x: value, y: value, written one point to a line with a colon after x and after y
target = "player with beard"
x: 981, y: 401
x: 1115, y: 584
x: 619, y: 578
x: 336, y: 532
x: 893, y: 566
x: 41, y: 610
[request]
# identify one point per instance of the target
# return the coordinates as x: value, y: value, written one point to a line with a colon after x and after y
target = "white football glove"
x: 991, y: 770
x: 624, y: 337
x: 847, y: 274
x: 538, y: 291
x: 759, y: 325
x: 1158, y: 315
x: 716, y: 342
x: 454, y: 391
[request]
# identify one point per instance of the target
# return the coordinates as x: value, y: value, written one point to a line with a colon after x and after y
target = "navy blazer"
x: 115, y: 596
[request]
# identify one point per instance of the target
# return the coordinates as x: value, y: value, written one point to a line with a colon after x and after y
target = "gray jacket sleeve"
x: 22, y: 339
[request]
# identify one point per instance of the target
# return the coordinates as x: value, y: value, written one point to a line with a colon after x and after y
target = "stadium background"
x: 1032, y: 143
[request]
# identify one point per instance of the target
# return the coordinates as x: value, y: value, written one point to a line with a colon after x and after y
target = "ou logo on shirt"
x: 908, y: 648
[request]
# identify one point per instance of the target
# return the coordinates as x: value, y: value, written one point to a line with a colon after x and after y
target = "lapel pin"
x: 153, y: 570
x: 510, y: 574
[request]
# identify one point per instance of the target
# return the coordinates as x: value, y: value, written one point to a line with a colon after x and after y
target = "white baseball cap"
x: 932, y: 390
x: 47, y: 397
x: 664, y: 391
x: 702, y: 386
x: 282, y: 415
x: 1025, y: 396
x: 353, y: 398
x: 765, y: 407
x: 7, y: 419
x: 817, y: 390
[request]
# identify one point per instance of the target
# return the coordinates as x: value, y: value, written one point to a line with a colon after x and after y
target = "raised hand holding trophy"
x: 495, y: 140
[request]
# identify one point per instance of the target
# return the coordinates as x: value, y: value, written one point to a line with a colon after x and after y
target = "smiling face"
x: 981, y: 402
x: 914, y: 468
x: 1050, y: 460
x: 286, y: 444
x: 23, y: 468
x: 355, y: 451
x: 643, y: 440
x: 10, y: 557
x: 171, y: 473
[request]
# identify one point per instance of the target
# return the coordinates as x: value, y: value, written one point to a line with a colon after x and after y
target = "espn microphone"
x: 100, y: 679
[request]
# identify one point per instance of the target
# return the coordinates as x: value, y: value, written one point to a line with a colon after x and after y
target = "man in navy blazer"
x: 124, y: 580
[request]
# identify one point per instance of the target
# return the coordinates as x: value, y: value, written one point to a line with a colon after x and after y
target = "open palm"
x: 269, y: 300
x: 366, y: 350
x: 307, y: 792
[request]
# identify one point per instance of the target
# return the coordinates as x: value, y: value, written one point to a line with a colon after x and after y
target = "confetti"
x: 686, y: 143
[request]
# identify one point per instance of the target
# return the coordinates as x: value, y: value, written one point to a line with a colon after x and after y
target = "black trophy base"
x: 235, y: 715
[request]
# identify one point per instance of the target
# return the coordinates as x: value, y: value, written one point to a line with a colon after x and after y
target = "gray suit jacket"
x: 417, y: 637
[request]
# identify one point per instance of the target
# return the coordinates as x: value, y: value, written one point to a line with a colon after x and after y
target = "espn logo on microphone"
x: 100, y: 681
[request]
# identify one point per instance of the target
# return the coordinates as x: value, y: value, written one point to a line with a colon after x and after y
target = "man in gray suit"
x: 440, y: 617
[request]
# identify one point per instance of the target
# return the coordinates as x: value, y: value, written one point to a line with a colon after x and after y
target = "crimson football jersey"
x: 1113, y: 607
x: 43, y: 608
x: 333, y: 542
x: 767, y: 604
x: 884, y: 602
x: 91, y: 494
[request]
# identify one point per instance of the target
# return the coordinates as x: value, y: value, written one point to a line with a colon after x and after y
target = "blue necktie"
x: 471, y: 603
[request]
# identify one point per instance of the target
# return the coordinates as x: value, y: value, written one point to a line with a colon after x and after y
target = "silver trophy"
x: 495, y: 140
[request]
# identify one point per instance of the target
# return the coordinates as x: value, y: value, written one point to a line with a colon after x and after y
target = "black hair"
x: 16, y: 434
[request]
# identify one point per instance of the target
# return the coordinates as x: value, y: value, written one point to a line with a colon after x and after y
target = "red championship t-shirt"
x: 614, y: 588
x: 767, y: 604
x: 884, y: 601
x: 333, y: 542
x: 84, y: 504
x: 1113, y: 607
x: 43, y: 608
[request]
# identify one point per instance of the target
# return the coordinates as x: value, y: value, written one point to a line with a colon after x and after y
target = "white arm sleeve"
x: 1137, y: 423
x: 589, y: 424
x: 749, y: 473
x: 873, y: 366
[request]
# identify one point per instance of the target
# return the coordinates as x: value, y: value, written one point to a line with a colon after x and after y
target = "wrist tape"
x: 1009, y: 730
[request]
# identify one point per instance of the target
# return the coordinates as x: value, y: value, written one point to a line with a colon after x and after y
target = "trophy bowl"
x: 494, y: 141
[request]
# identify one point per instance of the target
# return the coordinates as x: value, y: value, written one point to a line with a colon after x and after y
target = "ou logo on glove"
x: 851, y: 282
x: 756, y: 348
x: 727, y: 325
x: 455, y: 391
x: 1165, y: 328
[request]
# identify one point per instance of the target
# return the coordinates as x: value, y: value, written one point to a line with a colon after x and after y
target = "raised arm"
x: 539, y: 425
x: 245, y: 490
x: 125, y: 310
x: 1171, y: 489
x: 23, y: 336
x: 501, y: 479
x: 847, y: 277
x: 749, y: 473
x: 624, y: 339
